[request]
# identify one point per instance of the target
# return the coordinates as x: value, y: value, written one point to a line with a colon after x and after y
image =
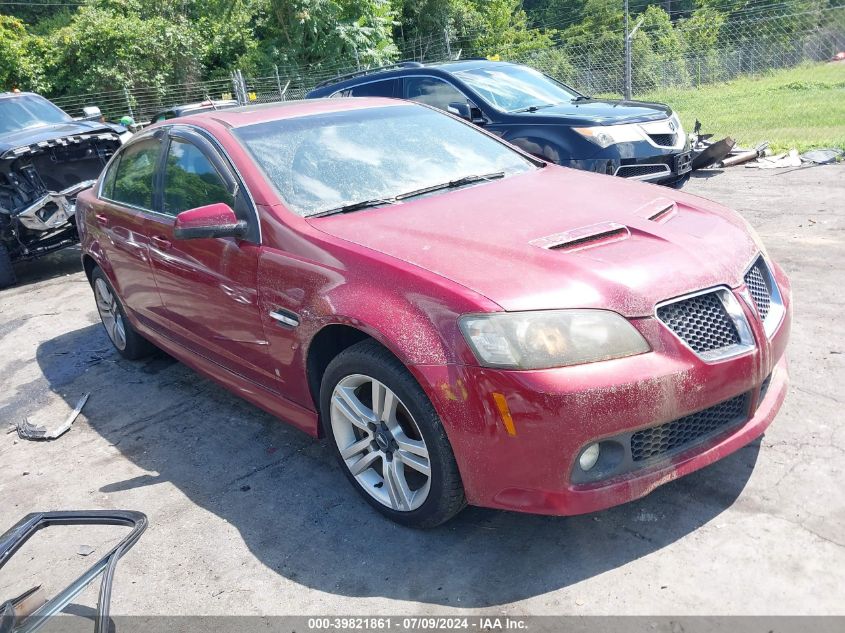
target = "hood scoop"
x: 659, y: 210
x: 584, y: 237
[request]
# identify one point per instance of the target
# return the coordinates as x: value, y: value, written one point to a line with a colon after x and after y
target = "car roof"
x: 12, y: 95
x: 248, y: 115
x: 217, y: 103
x: 403, y: 69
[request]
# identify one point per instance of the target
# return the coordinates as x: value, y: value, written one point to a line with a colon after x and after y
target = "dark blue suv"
x: 643, y: 141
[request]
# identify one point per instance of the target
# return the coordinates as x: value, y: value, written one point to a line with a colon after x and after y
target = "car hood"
x: 561, y: 238
x: 599, y: 112
x: 33, y: 135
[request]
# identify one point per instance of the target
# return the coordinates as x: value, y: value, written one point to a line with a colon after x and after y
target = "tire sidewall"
x: 402, y: 383
x: 136, y: 346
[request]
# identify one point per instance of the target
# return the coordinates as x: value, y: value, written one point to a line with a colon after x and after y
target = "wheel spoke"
x: 352, y: 408
x: 364, y: 463
x: 119, y: 332
x: 355, y: 448
x: 412, y: 446
x: 416, y: 462
x: 397, y: 487
x: 385, y: 403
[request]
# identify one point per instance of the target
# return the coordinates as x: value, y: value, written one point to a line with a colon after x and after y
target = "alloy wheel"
x: 110, y: 314
x: 380, y: 443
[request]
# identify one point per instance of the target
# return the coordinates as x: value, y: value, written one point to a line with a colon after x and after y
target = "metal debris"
x: 28, y: 431
x: 739, y: 159
x: 822, y: 156
x: 706, y: 153
x: 790, y: 159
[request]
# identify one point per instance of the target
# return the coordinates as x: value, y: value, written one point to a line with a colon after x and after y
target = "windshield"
x: 511, y: 88
x: 18, y: 113
x: 327, y: 161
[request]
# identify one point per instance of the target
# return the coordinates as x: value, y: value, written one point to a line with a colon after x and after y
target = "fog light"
x: 589, y: 457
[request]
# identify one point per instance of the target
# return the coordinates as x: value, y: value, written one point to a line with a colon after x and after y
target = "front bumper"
x: 639, y: 161
x: 557, y: 412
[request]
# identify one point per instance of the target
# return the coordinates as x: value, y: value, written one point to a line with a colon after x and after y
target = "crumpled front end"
x: 38, y: 188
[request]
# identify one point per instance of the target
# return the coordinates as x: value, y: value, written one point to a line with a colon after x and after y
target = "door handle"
x: 285, y: 318
x: 102, y: 219
x: 160, y: 242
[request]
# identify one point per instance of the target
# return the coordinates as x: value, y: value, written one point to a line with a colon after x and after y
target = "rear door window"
x: 432, y: 91
x: 384, y: 88
x: 134, y: 176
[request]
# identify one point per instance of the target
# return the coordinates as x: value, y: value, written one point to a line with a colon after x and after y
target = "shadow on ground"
x: 300, y: 517
x: 64, y: 262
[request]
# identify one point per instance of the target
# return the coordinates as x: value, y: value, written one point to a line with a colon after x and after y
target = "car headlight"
x: 550, y: 338
x: 607, y: 135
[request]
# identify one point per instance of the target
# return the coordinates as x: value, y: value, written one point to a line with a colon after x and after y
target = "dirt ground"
x: 250, y: 516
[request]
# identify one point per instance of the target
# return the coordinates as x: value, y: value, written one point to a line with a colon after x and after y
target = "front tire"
x: 388, y: 438
x: 123, y: 336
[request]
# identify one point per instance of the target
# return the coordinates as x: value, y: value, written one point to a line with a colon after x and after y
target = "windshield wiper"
x: 582, y: 98
x: 533, y: 108
x: 452, y: 184
x: 377, y: 202
x: 354, y: 206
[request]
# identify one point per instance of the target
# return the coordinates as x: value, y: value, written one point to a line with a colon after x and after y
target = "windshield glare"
x: 325, y: 161
x: 18, y: 113
x: 510, y: 88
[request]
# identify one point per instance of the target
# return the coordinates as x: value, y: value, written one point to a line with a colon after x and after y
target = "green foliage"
x: 314, y: 34
x: 108, y: 44
x: 20, y: 55
x: 105, y: 45
x: 659, y: 51
x: 802, y: 107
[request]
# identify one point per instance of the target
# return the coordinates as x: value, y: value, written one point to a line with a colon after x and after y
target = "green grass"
x: 802, y: 107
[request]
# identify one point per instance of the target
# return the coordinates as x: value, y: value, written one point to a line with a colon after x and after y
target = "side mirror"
x: 467, y: 110
x: 460, y: 109
x: 92, y: 113
x: 213, y: 220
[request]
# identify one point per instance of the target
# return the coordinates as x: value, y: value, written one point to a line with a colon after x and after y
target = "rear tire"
x: 7, y: 272
x: 124, y: 337
x: 392, y: 438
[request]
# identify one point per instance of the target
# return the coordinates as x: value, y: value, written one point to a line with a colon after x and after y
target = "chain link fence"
x: 671, y: 61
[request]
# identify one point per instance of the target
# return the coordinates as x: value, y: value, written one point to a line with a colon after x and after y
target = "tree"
x: 325, y: 34
x: 109, y: 44
x: 659, y: 52
x: 20, y: 55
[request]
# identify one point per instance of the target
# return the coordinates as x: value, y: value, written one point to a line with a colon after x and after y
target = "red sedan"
x: 467, y: 324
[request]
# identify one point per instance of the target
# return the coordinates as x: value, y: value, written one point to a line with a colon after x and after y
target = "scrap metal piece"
x: 28, y: 431
x: 713, y: 153
x: 739, y: 159
x: 775, y: 162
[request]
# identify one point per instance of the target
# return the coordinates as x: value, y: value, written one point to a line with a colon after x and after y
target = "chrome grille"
x: 701, y: 322
x: 667, y: 140
x: 759, y: 289
x: 686, y: 431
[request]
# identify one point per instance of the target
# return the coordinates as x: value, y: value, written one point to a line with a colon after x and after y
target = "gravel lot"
x: 250, y: 516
